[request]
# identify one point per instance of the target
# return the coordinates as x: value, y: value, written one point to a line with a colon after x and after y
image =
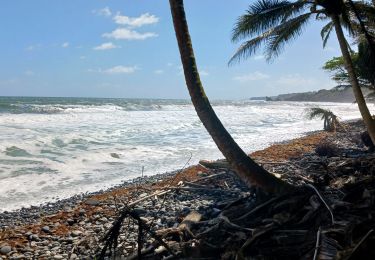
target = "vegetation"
x: 329, y: 118
x: 364, y: 69
x: 248, y: 171
x: 274, y: 23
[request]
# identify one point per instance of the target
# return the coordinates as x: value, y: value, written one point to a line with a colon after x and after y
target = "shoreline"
x: 52, y: 206
x: 56, y: 230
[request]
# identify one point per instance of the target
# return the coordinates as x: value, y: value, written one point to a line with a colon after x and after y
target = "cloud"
x: 65, y: 45
x: 82, y: 57
x: 203, y: 73
x: 105, y: 46
x: 159, y: 71
x: 33, y: 47
x: 127, y: 34
x: 29, y: 73
x: 143, y: 19
x: 258, y: 57
x: 121, y: 70
x: 253, y: 76
x: 103, y: 12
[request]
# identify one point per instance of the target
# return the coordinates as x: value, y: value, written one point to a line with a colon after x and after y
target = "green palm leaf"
x: 284, y: 33
x: 263, y: 15
x: 325, y: 33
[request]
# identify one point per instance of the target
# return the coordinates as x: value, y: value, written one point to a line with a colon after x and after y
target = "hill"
x: 323, y: 95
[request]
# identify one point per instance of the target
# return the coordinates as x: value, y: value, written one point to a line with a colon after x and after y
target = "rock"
x: 46, y: 229
x: 92, y: 202
x: 70, y: 221
x: 58, y: 257
x: 104, y: 219
x: 76, y: 233
x: 139, y: 211
x: 115, y: 155
x: 73, y: 256
x: 34, y: 238
x: 5, y: 250
x: 82, y: 212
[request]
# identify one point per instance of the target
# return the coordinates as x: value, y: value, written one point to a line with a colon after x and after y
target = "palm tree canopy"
x: 274, y: 23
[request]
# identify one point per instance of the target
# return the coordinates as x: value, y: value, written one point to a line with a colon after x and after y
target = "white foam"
x: 70, y: 151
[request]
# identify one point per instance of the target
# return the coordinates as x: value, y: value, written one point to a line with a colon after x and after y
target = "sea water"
x: 53, y: 148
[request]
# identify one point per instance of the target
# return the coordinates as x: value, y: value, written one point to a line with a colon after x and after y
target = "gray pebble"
x: 92, y: 202
x: 46, y: 229
x: 5, y: 250
x: 76, y: 233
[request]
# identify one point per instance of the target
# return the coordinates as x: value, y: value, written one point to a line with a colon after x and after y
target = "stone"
x: 139, y: 211
x: 76, y: 233
x: 58, y: 257
x: 70, y: 221
x: 46, y: 229
x: 34, y: 238
x: 5, y: 249
x: 82, y: 212
x: 92, y: 202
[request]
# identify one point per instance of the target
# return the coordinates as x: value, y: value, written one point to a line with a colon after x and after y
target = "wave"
x: 43, y: 105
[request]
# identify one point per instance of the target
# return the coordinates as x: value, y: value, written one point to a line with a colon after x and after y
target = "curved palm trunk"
x: 249, y: 172
x: 367, y: 118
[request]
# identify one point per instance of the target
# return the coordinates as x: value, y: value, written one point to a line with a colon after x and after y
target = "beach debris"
x: 231, y: 220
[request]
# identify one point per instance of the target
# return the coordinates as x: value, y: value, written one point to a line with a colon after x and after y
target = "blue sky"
x: 127, y: 48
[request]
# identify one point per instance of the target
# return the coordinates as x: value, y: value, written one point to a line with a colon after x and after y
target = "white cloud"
x: 143, y: 19
x: 33, y: 47
x: 253, y: 76
x: 103, y: 12
x: 159, y: 71
x: 258, y: 57
x: 105, y: 46
x: 121, y: 70
x: 65, y: 45
x: 29, y: 73
x: 127, y: 34
x: 203, y: 73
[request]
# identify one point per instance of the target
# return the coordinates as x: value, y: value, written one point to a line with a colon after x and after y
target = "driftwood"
x: 331, y: 217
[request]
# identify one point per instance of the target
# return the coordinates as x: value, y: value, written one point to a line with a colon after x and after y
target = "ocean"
x: 53, y: 148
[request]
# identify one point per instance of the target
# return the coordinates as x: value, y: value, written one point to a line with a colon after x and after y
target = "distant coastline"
x: 323, y: 95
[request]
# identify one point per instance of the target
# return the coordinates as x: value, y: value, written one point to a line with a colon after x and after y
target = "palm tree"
x: 330, y: 119
x: 276, y: 22
x: 247, y: 170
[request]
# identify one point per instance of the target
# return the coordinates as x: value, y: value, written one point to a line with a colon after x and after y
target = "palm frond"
x: 249, y: 47
x: 315, y: 112
x: 263, y: 15
x: 346, y: 19
x: 284, y: 33
x: 325, y: 33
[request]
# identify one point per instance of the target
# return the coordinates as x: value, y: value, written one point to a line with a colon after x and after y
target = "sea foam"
x: 54, y: 148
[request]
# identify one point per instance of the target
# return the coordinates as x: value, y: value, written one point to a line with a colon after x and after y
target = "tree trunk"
x: 367, y: 118
x: 247, y: 170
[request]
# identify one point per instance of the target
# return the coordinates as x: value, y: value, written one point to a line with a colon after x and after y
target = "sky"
x: 128, y: 49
